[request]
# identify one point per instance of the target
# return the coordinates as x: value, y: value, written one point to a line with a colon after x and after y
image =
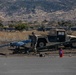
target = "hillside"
x: 16, y: 36
x: 37, y: 10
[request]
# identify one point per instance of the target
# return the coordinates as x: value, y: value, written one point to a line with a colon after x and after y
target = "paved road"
x: 48, y: 65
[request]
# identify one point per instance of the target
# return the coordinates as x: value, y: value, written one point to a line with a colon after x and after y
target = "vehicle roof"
x: 60, y: 30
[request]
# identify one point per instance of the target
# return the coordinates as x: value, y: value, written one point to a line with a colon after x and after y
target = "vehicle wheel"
x: 73, y: 45
x: 41, y: 44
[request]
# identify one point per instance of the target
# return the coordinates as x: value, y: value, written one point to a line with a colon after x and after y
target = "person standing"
x: 60, y: 52
x: 34, y: 42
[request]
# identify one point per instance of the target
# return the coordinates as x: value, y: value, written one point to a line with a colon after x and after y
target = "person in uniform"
x: 34, y: 42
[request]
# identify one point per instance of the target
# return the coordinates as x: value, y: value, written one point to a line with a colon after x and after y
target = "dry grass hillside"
x: 12, y: 36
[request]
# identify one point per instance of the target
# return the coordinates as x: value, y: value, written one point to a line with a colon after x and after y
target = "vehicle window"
x: 61, y: 33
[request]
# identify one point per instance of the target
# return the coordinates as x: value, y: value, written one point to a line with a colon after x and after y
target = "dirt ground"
x: 8, y: 51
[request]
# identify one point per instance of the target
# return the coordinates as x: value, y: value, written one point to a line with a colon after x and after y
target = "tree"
x: 44, y: 21
x: 65, y: 23
x: 21, y: 26
x: 1, y: 25
x: 11, y: 25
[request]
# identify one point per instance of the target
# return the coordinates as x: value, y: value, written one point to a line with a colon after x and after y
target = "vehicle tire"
x: 73, y: 45
x: 41, y: 44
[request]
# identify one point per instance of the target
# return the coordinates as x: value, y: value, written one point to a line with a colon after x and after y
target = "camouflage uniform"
x: 33, y: 42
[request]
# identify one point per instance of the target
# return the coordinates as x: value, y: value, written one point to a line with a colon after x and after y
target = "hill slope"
x: 37, y: 9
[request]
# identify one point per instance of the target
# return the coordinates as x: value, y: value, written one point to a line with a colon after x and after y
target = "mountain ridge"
x: 37, y: 9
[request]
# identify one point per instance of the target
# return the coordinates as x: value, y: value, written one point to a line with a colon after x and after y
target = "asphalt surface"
x: 48, y: 65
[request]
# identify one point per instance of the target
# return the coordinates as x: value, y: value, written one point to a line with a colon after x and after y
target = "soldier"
x: 33, y: 42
